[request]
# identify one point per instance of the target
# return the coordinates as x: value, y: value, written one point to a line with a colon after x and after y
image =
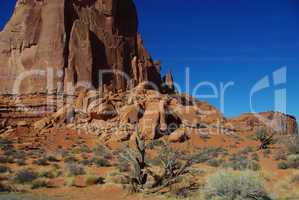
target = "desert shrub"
x: 85, y: 149
x: 280, y: 155
x: 240, y: 162
x: 266, y: 139
x: 41, y: 161
x: 20, y: 161
x: 155, y: 143
x: 171, y: 172
x: 101, y: 162
x: 293, y: 161
x: 123, y: 165
x: 25, y: 176
x: 266, y: 153
x: 70, y: 159
x: 52, y: 158
x: 226, y: 185
x: 282, y: 165
x: 102, y: 151
x: 86, y: 162
x: 6, y: 159
x: 295, y: 179
x: 5, y: 144
x: 246, y: 151
x: 75, y: 169
x: 293, y: 144
x: 4, y: 169
x: 255, y: 157
x: 39, y: 183
x: 93, y: 180
x: 204, y: 155
x: 50, y: 174
x: 215, y: 162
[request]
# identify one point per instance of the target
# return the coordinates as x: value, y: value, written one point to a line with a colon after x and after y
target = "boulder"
x: 130, y: 114
x: 63, y: 115
x: 149, y: 123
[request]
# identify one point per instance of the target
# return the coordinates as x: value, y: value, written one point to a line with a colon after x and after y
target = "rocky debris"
x: 63, y: 115
x: 188, y: 115
x: 131, y: 114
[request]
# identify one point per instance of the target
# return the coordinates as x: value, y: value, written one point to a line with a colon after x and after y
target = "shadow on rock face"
x: 126, y: 18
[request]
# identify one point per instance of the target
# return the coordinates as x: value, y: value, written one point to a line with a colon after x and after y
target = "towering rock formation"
x: 49, y: 46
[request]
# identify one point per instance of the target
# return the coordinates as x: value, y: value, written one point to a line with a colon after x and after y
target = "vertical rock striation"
x: 51, y: 46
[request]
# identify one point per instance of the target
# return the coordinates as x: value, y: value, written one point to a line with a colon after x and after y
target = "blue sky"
x: 221, y: 41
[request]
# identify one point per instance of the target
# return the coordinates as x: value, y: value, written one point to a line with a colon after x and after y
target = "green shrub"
x: 4, y: 144
x: 4, y: 169
x: 86, y: 162
x: 255, y: 157
x: 41, y: 162
x: 282, y: 165
x: 293, y: 144
x: 266, y: 139
x: 93, y: 180
x: 101, y: 162
x: 293, y: 161
x: 39, y: 183
x: 70, y: 159
x: 241, y: 162
x: 226, y: 185
x: 75, y: 169
x: 20, y: 161
x: 102, y: 151
x: 280, y: 155
x: 25, y: 176
x: 215, y: 162
x: 207, y: 154
x: 295, y: 179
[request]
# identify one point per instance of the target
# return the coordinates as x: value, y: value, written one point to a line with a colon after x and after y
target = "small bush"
x: 207, y: 154
x: 293, y: 145
x: 240, y: 162
x: 20, y: 161
x: 4, y: 169
x: 39, y: 183
x: 4, y: 143
x: 85, y: 149
x: 25, y: 176
x: 93, y: 180
x: 255, y: 157
x: 235, y: 186
x: 293, y: 161
x: 41, y: 162
x: 86, y: 162
x: 101, y: 162
x: 280, y: 155
x: 75, y: 170
x: 102, y: 151
x: 295, y: 179
x: 70, y: 159
x: 265, y: 138
x: 282, y: 165
x: 215, y: 162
